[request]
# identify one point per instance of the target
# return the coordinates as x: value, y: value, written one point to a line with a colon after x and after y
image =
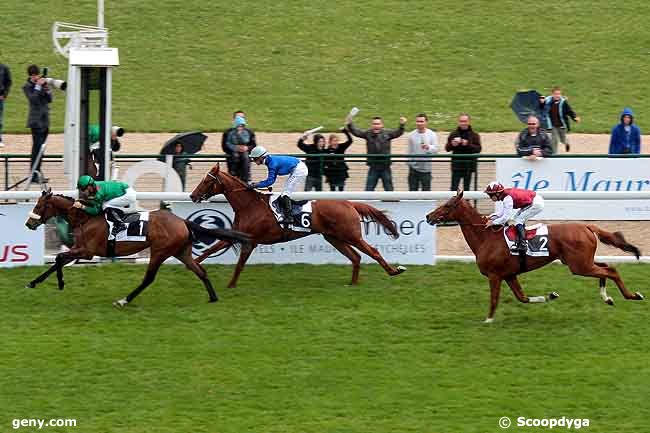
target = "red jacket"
x: 520, y: 197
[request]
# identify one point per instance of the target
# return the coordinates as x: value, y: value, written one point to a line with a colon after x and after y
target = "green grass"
x: 297, y: 64
x: 295, y: 350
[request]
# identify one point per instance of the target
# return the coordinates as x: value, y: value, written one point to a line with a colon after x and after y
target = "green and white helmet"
x: 84, y: 181
x: 258, y: 152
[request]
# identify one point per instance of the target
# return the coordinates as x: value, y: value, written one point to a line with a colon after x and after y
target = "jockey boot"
x: 286, y: 210
x: 116, y: 216
x: 522, y: 245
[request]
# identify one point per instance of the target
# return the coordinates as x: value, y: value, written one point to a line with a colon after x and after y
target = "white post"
x: 100, y: 13
x: 108, y: 126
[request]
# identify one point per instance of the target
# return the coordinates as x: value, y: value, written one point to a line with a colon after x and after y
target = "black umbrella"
x: 192, y: 142
x: 526, y: 104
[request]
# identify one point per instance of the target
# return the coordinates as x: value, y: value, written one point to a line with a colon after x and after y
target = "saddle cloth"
x: 300, y: 210
x: 137, y: 228
x: 536, y: 235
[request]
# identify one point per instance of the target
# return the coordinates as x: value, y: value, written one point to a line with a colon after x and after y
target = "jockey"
x: 517, y: 204
x: 116, y: 198
x: 280, y: 166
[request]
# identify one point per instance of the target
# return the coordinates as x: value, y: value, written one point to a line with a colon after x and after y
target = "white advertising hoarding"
x: 582, y: 174
x: 19, y: 246
x: 416, y: 244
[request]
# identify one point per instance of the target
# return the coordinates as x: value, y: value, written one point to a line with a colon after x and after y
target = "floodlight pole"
x: 100, y: 13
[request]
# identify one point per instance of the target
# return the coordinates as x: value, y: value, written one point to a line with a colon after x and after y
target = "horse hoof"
x: 639, y: 296
x: 232, y: 286
x: 61, y: 286
x: 553, y: 295
x: 609, y: 301
x: 399, y: 270
x: 120, y: 303
x: 213, y: 300
x: 489, y: 320
x: 30, y: 285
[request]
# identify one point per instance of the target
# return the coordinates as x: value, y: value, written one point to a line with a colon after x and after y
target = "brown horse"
x: 337, y: 220
x: 168, y: 236
x: 573, y: 244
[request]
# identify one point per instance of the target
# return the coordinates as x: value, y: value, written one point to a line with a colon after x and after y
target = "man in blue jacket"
x: 280, y: 165
x: 556, y: 112
x: 626, y: 136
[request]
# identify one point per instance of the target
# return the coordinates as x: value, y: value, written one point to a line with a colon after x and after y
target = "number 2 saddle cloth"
x: 536, y: 236
x: 300, y: 210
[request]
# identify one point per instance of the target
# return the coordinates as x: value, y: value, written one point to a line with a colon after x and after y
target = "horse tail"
x: 377, y: 216
x: 224, y: 234
x: 615, y: 239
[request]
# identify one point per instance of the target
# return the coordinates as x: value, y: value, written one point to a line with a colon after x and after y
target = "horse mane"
x: 470, y: 210
x: 64, y: 196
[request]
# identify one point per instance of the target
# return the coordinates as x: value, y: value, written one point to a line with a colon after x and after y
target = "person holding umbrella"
x: 180, y: 146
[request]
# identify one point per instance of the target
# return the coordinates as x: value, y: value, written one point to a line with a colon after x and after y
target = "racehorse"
x: 168, y: 236
x: 573, y: 244
x: 337, y: 220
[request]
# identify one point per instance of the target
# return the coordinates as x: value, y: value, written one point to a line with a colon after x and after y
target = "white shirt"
x: 419, y: 143
x: 502, y: 211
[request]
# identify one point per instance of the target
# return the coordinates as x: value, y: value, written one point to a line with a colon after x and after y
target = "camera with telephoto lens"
x: 52, y: 82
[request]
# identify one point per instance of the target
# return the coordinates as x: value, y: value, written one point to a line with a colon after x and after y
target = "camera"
x: 52, y: 82
x: 117, y: 130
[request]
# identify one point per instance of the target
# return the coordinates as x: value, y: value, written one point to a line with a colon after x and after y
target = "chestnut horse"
x: 337, y: 220
x: 168, y: 236
x: 572, y: 243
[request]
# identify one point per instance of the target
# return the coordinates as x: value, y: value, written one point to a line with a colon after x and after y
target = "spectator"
x: 314, y: 163
x: 5, y: 85
x: 39, y: 96
x: 557, y: 111
x: 421, y: 140
x: 239, y: 141
x: 236, y: 166
x: 180, y: 163
x: 626, y: 136
x: 533, y: 142
x: 463, y: 140
x: 336, y: 170
x: 377, y: 143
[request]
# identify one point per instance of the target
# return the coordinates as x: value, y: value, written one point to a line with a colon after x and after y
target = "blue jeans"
x: 376, y: 173
x: 2, y: 110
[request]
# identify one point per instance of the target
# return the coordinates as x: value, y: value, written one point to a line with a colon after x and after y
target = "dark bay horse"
x: 168, y: 236
x: 339, y: 221
x: 573, y: 244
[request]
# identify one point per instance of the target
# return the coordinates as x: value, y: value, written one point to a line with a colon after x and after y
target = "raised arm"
x: 356, y: 131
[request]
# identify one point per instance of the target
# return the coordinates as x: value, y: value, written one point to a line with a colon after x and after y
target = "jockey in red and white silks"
x: 516, y: 204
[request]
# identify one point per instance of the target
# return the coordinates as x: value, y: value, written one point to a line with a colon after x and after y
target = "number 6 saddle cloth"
x: 536, y: 236
x: 300, y: 210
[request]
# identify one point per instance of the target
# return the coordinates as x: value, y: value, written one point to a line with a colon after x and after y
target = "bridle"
x: 215, y: 180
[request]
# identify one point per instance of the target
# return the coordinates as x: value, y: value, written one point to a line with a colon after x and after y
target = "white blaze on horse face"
x: 34, y: 216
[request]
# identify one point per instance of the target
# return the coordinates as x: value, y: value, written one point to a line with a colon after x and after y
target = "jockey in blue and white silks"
x: 280, y: 166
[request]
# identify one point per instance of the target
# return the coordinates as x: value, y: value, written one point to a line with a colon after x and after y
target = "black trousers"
x: 39, y: 135
x: 458, y: 173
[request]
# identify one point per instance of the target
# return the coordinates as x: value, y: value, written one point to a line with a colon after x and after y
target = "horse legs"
x: 602, y: 271
x: 154, y: 264
x: 521, y: 296
x: 213, y: 249
x: 244, y: 254
x: 186, y: 257
x: 57, y: 266
x: 348, y: 252
x: 495, y: 291
x: 366, y: 248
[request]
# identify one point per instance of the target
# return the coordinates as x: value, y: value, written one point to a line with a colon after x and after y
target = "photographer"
x: 39, y: 96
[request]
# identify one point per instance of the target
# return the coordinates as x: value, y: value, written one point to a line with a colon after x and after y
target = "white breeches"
x: 296, y: 180
x: 524, y: 214
x: 126, y: 203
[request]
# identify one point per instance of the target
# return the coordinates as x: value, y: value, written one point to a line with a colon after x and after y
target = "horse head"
x: 44, y: 209
x: 210, y: 185
x: 452, y: 210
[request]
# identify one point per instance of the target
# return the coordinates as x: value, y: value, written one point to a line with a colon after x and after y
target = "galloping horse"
x: 168, y: 236
x: 337, y: 220
x: 573, y: 244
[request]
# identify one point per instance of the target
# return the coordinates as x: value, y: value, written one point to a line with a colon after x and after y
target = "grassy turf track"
x: 296, y: 64
x: 295, y: 350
